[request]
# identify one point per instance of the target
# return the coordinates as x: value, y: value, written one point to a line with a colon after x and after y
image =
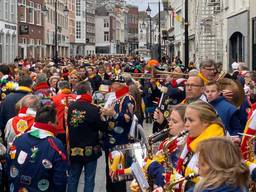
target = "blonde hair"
x: 225, y: 161
x: 30, y: 101
x: 206, y: 112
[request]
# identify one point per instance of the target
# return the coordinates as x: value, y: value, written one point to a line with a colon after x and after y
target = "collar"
x: 43, y: 85
x: 122, y: 92
x: 84, y: 97
x: 27, y: 111
x: 214, y: 130
x: 203, y: 78
x: 25, y: 89
x: 42, y: 130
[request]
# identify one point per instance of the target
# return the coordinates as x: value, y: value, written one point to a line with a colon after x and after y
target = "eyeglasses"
x: 192, y: 85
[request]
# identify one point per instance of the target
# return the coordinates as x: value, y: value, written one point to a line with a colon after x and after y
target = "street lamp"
x: 159, y: 31
x: 66, y: 12
x: 148, y: 10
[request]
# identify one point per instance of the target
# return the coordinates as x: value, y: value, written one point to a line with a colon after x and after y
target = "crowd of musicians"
x: 57, y: 119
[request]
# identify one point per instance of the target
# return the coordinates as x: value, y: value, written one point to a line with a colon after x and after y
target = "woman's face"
x: 203, y: 167
x: 54, y: 82
x: 73, y: 79
x: 193, y: 122
x: 176, y: 123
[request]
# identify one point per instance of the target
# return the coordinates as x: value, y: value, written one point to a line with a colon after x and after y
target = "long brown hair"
x: 206, y: 112
x: 225, y: 161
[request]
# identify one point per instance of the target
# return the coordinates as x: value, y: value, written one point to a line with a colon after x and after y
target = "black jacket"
x: 84, y: 124
x: 7, y: 108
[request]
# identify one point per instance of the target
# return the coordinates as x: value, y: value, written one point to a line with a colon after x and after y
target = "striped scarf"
x: 214, y: 130
x: 42, y: 130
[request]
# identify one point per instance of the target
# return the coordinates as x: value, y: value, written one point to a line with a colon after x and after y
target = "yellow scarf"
x: 23, y: 88
x: 203, y: 78
x: 214, y: 130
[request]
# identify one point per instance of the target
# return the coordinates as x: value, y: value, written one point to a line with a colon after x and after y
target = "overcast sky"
x: 143, y: 4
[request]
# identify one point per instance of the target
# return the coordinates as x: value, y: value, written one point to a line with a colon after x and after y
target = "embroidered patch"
x: 88, y: 151
x: 112, y: 140
x: 22, y: 126
x: 111, y: 125
x: 13, y: 171
x: 77, y: 151
x: 34, y: 152
x: 3, y: 95
x: 12, y: 152
x: 47, y: 164
x: 166, y: 114
x: 118, y: 130
x: 43, y: 184
x: 77, y: 117
x: 22, y: 157
x: 25, y: 180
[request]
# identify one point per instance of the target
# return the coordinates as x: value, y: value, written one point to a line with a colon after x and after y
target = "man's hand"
x: 108, y: 111
x: 158, y: 116
x: 228, y: 94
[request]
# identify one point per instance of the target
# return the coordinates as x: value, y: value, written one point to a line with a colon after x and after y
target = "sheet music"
x: 139, y: 176
x: 110, y: 100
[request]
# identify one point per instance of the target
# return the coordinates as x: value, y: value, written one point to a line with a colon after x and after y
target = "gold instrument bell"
x: 236, y: 88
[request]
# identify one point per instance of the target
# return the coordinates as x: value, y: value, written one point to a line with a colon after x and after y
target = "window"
x: 7, y: 47
x: 38, y: 15
x: 106, y: 36
x: 31, y: 12
x: 1, y: 12
x: 7, y: 9
x: 78, y: 7
x: 23, y: 14
x: 106, y: 23
x: 78, y: 29
x: 13, y: 14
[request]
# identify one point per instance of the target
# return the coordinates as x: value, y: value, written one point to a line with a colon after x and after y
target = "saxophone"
x: 170, y: 187
x: 251, y: 157
x: 168, y: 164
x: 159, y: 136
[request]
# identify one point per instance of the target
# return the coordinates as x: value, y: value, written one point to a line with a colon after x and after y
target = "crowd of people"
x: 56, y: 119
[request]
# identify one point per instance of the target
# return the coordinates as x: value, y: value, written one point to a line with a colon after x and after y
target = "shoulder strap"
x: 55, y: 147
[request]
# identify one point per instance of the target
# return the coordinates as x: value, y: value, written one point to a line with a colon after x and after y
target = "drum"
x: 121, y: 158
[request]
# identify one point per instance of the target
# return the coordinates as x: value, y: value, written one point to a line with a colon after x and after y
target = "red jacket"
x: 60, y: 101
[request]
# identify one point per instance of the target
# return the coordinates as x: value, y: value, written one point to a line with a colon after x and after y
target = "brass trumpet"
x: 155, y: 73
